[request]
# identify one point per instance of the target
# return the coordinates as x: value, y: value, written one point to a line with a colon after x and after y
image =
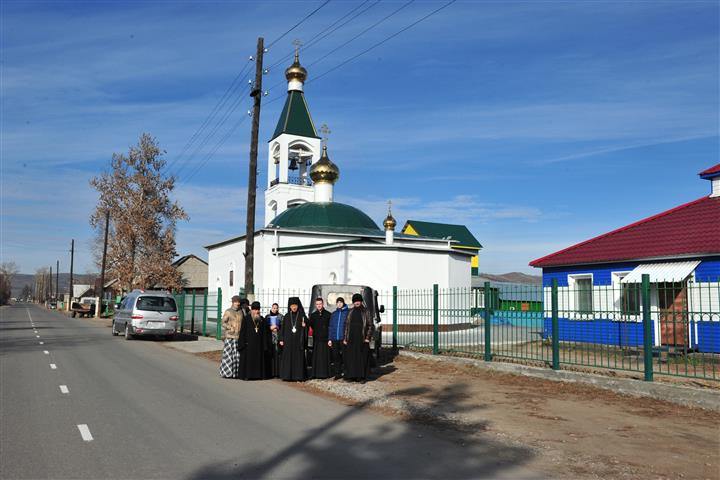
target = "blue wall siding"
x: 606, y: 332
x: 602, y: 273
x: 708, y: 337
x: 708, y: 270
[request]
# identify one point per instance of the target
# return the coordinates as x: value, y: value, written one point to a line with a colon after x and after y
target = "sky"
x: 535, y: 124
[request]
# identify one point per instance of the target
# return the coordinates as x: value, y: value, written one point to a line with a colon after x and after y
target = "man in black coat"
x: 255, y: 338
x: 319, y: 322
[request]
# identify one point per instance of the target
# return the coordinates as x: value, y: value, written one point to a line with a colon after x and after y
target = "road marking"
x: 53, y: 366
x: 41, y: 343
x: 64, y: 389
x: 37, y: 336
x: 46, y: 352
x: 85, y: 432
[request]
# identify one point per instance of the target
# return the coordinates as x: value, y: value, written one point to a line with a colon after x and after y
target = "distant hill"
x: 513, y: 277
x: 22, y: 279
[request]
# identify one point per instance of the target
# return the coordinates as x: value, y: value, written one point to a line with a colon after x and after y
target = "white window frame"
x: 572, y: 292
x: 617, y: 286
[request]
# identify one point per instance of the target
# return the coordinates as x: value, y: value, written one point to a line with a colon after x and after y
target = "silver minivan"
x: 146, y: 313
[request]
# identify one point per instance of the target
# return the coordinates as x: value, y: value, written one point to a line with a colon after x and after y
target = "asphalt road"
x: 113, y: 408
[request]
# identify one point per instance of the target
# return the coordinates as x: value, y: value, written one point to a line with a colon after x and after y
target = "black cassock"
x: 255, y: 338
x: 292, y: 333
x: 321, y: 352
x: 356, y: 353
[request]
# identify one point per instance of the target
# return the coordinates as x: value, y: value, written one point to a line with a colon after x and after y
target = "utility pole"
x: 72, y: 261
x: 50, y: 289
x: 102, y: 271
x: 256, y: 93
x: 57, y: 279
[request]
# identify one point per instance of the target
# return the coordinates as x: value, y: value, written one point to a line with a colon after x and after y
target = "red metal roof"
x: 690, y: 229
x: 711, y: 170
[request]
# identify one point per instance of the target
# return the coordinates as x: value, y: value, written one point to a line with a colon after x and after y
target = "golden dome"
x: 389, y: 223
x: 324, y: 171
x: 296, y: 71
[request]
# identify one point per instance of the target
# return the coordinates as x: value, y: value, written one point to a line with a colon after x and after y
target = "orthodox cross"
x: 298, y: 43
x: 389, y: 207
x: 325, y: 130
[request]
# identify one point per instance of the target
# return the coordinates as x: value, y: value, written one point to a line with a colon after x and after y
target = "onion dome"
x: 324, y: 171
x: 389, y: 223
x: 296, y: 71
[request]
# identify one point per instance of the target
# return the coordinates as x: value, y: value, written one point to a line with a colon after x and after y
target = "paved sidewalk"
x: 194, y: 344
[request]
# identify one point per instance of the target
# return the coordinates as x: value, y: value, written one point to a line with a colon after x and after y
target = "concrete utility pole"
x: 57, y: 280
x: 98, y: 309
x: 256, y: 93
x: 72, y: 261
x: 50, y: 289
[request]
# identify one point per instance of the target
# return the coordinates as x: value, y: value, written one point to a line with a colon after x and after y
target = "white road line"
x: 46, y: 352
x: 85, y: 432
x: 41, y: 343
x: 53, y: 366
x: 37, y: 336
x: 64, y: 389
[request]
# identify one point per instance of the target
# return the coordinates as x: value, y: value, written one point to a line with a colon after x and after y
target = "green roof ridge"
x: 295, y: 118
x: 442, y: 230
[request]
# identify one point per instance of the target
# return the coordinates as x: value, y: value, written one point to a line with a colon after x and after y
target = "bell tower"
x: 294, y: 147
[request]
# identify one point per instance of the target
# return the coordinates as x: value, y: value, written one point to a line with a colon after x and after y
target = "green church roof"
x: 444, y: 230
x: 326, y: 217
x: 295, y: 118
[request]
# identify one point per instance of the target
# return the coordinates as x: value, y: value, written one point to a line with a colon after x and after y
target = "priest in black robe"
x: 293, y: 336
x: 319, y: 321
x: 255, y: 338
x: 359, y: 329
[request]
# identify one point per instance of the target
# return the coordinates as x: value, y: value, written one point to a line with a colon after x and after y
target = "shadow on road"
x: 411, y: 451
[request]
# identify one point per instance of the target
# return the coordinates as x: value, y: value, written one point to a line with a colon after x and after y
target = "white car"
x: 146, y: 313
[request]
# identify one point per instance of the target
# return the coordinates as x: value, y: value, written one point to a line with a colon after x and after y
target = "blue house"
x: 599, y: 279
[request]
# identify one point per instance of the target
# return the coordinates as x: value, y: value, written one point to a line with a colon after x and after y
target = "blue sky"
x: 536, y: 124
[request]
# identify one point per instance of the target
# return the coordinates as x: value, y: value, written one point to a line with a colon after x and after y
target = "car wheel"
x: 169, y: 337
x: 112, y: 329
x: 128, y: 335
x: 73, y: 314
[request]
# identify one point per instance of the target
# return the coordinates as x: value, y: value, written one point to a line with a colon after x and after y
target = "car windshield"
x: 156, y: 304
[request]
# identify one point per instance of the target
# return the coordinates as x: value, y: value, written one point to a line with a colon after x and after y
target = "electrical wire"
x: 297, y: 24
x: 386, y: 39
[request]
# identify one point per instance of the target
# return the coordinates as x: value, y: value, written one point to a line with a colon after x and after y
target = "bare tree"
x: 7, y: 271
x: 143, y: 217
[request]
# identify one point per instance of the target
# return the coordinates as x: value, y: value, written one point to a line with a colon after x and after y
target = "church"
x: 309, y: 239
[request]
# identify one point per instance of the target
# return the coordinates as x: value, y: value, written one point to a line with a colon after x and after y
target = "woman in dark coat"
x: 293, y: 335
x: 319, y: 322
x: 254, y: 338
x: 358, y: 332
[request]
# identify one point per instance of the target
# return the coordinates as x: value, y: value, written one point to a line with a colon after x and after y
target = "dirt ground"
x: 577, y: 431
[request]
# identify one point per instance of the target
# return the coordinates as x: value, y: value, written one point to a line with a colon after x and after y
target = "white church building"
x: 309, y: 239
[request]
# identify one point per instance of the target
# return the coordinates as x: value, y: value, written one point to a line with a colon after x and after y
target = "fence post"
x: 436, y: 320
x: 488, y: 322
x: 182, y: 311
x: 192, y: 314
x: 555, y: 326
x: 395, y: 318
x: 647, y: 328
x: 218, y: 332
x: 205, y: 305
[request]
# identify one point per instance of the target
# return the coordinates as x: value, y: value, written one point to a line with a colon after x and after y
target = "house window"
x: 630, y: 298
x: 231, y: 277
x: 583, y: 295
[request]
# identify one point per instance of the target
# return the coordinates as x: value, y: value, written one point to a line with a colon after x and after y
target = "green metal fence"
x: 667, y: 328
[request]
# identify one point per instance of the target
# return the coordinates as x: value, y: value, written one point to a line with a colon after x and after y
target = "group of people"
x: 277, y: 346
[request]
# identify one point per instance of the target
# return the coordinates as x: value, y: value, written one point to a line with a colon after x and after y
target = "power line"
x: 345, y: 62
x: 362, y: 33
x: 212, y: 152
x: 314, y: 39
x: 220, y: 103
x: 385, y: 40
x: 297, y: 24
